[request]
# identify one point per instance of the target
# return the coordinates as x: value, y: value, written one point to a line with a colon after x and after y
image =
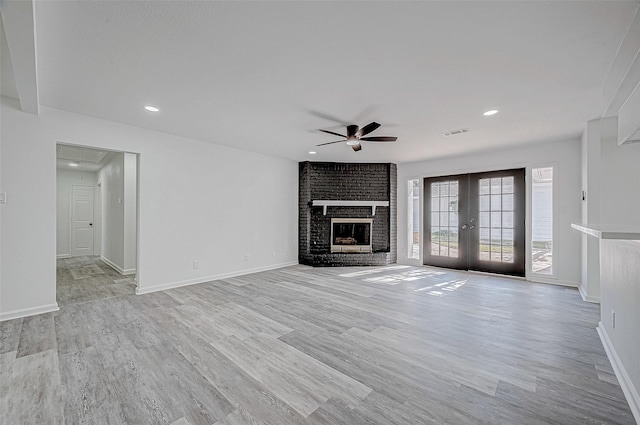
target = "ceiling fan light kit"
x: 355, y: 133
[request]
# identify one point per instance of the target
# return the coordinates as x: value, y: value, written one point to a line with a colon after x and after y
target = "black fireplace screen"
x: 351, y: 233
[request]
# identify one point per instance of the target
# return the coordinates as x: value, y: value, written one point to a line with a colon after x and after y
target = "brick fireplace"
x: 338, y: 203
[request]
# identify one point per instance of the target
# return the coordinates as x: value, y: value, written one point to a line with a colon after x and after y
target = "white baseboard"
x: 116, y: 267
x: 31, y: 311
x: 542, y: 279
x: 171, y: 285
x: 63, y: 256
x: 588, y: 298
x: 630, y: 392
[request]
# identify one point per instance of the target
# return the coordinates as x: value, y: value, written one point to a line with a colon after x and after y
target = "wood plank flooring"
x: 302, y: 345
x: 87, y: 278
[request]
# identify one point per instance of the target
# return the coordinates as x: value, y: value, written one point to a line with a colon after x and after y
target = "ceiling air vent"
x: 455, y: 132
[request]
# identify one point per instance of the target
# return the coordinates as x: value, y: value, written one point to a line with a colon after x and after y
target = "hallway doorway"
x: 96, y: 225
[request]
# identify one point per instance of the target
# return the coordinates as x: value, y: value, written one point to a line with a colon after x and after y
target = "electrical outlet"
x: 246, y: 257
x: 613, y: 319
x: 196, y: 264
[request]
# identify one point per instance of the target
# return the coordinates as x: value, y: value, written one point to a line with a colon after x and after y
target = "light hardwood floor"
x: 302, y: 345
x: 87, y: 278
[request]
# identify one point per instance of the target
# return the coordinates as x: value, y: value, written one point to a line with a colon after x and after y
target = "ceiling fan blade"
x: 335, y: 134
x: 328, y: 117
x: 366, y: 113
x: 380, y: 139
x: 330, y: 143
x: 357, y: 147
x: 369, y: 128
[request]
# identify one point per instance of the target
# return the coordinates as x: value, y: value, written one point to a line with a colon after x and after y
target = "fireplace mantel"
x: 336, y: 203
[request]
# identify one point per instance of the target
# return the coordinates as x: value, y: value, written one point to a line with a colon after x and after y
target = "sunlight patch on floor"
x: 441, y: 289
x: 408, y: 276
x: 374, y: 271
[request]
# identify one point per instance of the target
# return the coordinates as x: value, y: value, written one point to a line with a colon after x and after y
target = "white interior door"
x: 82, y: 220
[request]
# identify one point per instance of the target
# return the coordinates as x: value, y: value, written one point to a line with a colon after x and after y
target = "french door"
x: 476, y: 222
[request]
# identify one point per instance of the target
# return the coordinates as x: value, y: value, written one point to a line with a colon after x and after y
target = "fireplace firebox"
x: 351, y: 234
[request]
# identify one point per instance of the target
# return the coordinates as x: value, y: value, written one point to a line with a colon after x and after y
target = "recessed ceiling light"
x: 151, y: 108
x: 312, y: 152
x: 490, y: 112
x: 73, y: 164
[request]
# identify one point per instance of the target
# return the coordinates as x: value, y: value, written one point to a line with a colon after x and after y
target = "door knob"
x: 464, y: 226
x: 472, y: 227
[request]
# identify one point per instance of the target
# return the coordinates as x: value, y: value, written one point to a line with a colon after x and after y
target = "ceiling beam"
x: 18, y: 20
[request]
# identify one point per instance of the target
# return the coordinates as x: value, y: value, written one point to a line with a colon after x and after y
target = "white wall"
x: 197, y: 201
x: 563, y: 155
x: 118, y: 186
x: 620, y: 185
x: 621, y: 294
x: 111, y: 178
x: 591, y: 185
x: 130, y: 212
x: 65, y: 179
x: 619, y: 204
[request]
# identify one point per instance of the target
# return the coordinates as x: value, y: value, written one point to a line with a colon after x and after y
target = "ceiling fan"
x: 355, y: 136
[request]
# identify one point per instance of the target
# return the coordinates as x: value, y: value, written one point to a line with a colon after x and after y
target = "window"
x: 542, y: 220
x: 413, y: 219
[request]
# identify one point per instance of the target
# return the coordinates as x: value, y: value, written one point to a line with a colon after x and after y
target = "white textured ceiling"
x: 259, y: 75
x: 84, y: 159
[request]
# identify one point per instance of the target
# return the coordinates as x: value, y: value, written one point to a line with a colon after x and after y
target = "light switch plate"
x: 3, y: 197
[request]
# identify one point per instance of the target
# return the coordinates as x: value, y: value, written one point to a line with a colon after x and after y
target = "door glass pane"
x: 507, y: 185
x: 435, y: 241
x: 444, y: 219
x: 484, y: 187
x: 496, y: 219
x: 484, y: 203
x: 507, y: 237
x: 435, y: 219
x: 484, y: 219
x: 542, y: 220
x: 413, y: 217
x: 496, y: 236
x: 496, y: 202
x: 495, y: 253
x: 496, y: 185
x: 507, y: 219
x: 435, y: 190
x: 453, y: 189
